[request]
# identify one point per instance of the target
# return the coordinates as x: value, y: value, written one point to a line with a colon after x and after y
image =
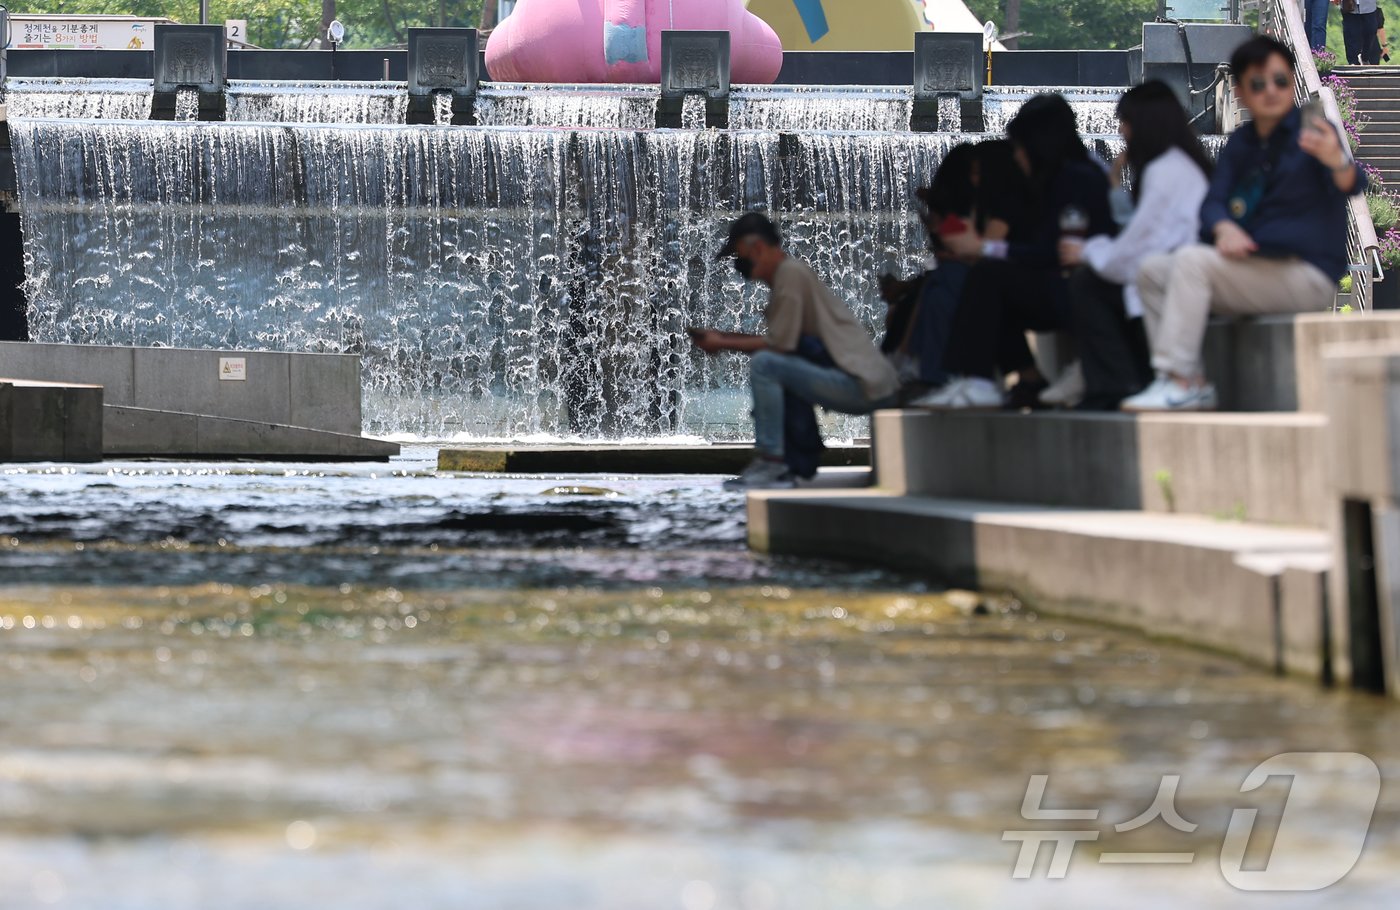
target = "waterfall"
x: 499, y: 282
x: 317, y: 102
x: 81, y: 99
x: 631, y: 107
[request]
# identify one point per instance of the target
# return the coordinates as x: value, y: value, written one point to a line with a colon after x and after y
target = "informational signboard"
x: 233, y: 369
x: 82, y: 32
x: 237, y: 30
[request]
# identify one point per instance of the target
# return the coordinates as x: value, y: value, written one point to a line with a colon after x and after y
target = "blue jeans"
x: 772, y: 373
x: 1315, y: 21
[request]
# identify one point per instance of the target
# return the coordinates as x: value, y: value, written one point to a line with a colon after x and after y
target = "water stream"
x: 234, y: 685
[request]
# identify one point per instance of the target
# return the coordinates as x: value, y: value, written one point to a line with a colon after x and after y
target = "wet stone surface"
x: 301, y: 686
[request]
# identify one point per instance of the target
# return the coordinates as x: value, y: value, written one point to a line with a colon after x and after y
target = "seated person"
x: 1170, y: 176
x: 921, y: 308
x: 1277, y: 212
x: 814, y: 349
x: 1017, y: 284
x: 978, y: 185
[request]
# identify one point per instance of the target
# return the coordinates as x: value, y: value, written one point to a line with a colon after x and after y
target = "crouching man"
x: 814, y: 350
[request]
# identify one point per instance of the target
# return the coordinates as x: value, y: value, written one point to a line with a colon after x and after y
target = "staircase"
x: 1378, y: 101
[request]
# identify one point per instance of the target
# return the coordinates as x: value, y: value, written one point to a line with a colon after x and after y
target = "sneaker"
x: 762, y: 474
x: 1166, y: 394
x: 1025, y: 395
x: 962, y: 394
x: 1068, y: 390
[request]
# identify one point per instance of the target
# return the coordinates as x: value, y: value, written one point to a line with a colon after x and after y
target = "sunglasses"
x: 1281, y: 81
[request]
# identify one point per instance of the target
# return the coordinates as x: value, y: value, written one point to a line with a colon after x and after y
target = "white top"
x: 1168, y: 217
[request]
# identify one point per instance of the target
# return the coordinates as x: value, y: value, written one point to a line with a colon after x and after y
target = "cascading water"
x: 79, y: 99
x: 820, y: 108
x: 629, y: 107
x: 499, y: 282
x: 1094, y: 108
x: 317, y: 102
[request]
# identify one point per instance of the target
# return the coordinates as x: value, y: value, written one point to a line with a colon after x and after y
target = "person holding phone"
x: 814, y: 349
x: 1276, y: 216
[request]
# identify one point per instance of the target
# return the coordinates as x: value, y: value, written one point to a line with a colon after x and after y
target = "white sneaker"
x: 1166, y: 394
x: 762, y: 474
x: 1068, y: 390
x: 966, y: 393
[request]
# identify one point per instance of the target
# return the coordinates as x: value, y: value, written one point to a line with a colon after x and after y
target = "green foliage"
x: 286, y: 23
x: 1163, y: 477
x: 1073, y: 24
x: 1384, y: 211
x: 1336, y: 45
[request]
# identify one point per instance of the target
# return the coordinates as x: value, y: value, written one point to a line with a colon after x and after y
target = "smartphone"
x: 1314, y: 117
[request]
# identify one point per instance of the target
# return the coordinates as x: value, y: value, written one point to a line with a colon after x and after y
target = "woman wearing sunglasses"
x: 1276, y: 216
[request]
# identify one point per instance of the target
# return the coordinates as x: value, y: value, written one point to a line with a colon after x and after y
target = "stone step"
x: 50, y: 421
x: 1255, y: 467
x: 1274, y: 363
x: 1255, y: 591
x: 145, y: 433
x: 623, y: 459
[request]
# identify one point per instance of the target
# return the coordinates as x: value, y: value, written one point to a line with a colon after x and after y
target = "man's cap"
x: 752, y: 224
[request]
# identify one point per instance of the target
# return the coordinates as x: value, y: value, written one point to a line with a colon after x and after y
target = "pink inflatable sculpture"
x: 620, y: 40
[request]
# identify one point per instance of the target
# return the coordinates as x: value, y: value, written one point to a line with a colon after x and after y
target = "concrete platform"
x: 50, y: 421
x: 317, y: 391
x: 215, y: 404
x: 1254, y: 591
x: 140, y: 432
x: 605, y: 459
x: 1275, y: 363
x: 1257, y: 467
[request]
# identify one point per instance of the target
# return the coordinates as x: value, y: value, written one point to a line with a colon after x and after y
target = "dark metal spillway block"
x: 190, y: 56
x: 443, y: 60
x: 694, y: 63
x: 948, y: 63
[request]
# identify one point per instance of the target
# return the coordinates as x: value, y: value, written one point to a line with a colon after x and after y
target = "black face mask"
x: 744, y: 266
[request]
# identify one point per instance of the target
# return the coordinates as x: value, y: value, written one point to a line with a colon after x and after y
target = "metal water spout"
x: 443, y: 62
x: 190, y: 57
x: 694, y: 64
x: 947, y: 68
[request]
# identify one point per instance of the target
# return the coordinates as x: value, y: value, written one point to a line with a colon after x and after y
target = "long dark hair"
x: 1157, y: 123
x: 1046, y: 129
x: 950, y: 193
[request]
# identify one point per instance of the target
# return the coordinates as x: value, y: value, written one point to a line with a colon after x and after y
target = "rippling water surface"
x: 311, y: 685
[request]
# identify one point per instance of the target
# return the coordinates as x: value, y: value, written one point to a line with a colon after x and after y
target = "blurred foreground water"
x: 272, y: 686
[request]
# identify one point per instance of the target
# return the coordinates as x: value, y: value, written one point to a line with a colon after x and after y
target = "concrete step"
x: 145, y: 433
x: 50, y: 421
x: 1255, y: 591
x: 1255, y: 467
x: 1274, y: 363
x: 619, y: 459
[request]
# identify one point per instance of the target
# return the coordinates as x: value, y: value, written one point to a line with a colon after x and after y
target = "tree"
x: 1070, y: 24
x: 287, y: 23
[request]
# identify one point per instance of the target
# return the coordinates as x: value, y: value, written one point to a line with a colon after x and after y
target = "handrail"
x: 1283, y: 19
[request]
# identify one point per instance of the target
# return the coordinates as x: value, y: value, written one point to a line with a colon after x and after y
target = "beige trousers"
x: 1181, y: 290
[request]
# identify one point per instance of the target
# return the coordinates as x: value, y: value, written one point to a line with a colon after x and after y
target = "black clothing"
x: 1027, y: 291
x: 1113, y: 349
